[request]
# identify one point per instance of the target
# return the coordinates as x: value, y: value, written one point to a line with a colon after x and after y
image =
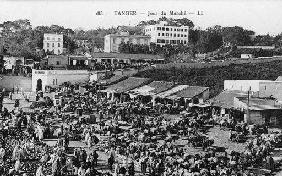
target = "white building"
x: 53, y: 43
x: 243, y: 85
x: 247, y: 56
x: 11, y: 61
x: 53, y: 78
x: 162, y: 34
x: 112, y: 41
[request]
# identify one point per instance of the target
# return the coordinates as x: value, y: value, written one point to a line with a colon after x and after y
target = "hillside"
x: 214, y: 77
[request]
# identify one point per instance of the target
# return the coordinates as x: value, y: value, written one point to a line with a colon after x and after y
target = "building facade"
x: 114, y: 58
x: 53, y: 78
x: 243, y: 85
x: 53, y: 43
x: 112, y: 41
x: 41, y: 79
x: 162, y: 34
x: 271, y: 89
x: 55, y: 61
x: 11, y: 61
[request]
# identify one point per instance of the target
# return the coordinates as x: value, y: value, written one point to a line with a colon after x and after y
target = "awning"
x: 127, y: 85
x: 144, y: 90
x: 171, y: 91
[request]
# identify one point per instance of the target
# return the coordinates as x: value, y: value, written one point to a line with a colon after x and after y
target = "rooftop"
x: 191, y: 91
x: 260, y: 103
x: 256, y: 47
x: 172, y: 91
x: 128, y: 84
x: 153, y: 88
x: 127, y: 35
x: 279, y: 78
x: 128, y: 56
x: 114, y: 79
x: 226, y: 98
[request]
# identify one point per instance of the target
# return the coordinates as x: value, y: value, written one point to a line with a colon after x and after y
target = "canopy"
x: 144, y: 90
x: 172, y: 91
x: 128, y: 84
x: 153, y: 88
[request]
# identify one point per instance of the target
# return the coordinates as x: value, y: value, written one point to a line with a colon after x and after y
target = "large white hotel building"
x: 162, y: 34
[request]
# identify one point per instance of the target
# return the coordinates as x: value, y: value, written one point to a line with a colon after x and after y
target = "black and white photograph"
x: 140, y: 88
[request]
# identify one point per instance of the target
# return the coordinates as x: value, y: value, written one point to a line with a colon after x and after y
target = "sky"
x: 261, y: 16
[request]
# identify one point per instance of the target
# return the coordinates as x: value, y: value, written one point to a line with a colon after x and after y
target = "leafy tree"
x: 263, y: 40
x: 236, y: 35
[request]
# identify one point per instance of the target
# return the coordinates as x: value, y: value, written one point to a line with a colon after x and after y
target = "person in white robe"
x: 39, y: 171
x: 2, y: 154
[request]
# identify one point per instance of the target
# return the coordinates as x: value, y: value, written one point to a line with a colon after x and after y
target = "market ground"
x: 220, y: 139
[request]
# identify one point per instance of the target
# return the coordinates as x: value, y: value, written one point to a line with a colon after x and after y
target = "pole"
x: 248, y: 112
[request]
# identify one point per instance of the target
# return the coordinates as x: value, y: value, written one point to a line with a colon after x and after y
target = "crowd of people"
x: 134, y: 140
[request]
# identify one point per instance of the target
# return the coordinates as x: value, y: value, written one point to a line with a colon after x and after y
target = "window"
x: 53, y: 45
x: 174, y: 29
x: 184, y: 41
x: 178, y: 41
x: 167, y: 34
x: 163, y: 28
x: 159, y: 28
x: 174, y: 35
x: 181, y: 30
x: 48, y: 38
x: 167, y: 29
x: 59, y: 45
x: 48, y: 44
x: 54, y: 81
x: 57, y: 62
x: 167, y: 41
x: 171, y: 34
x: 158, y: 40
x: 185, y: 35
x: 159, y: 34
x: 162, y: 34
x: 178, y: 35
x: 181, y: 35
x: 59, y: 52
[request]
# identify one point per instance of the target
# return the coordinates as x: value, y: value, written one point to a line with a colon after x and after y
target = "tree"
x: 236, y: 35
x: 264, y: 40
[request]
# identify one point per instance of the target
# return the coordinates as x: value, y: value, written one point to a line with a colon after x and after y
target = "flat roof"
x: 128, y: 56
x: 130, y: 36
